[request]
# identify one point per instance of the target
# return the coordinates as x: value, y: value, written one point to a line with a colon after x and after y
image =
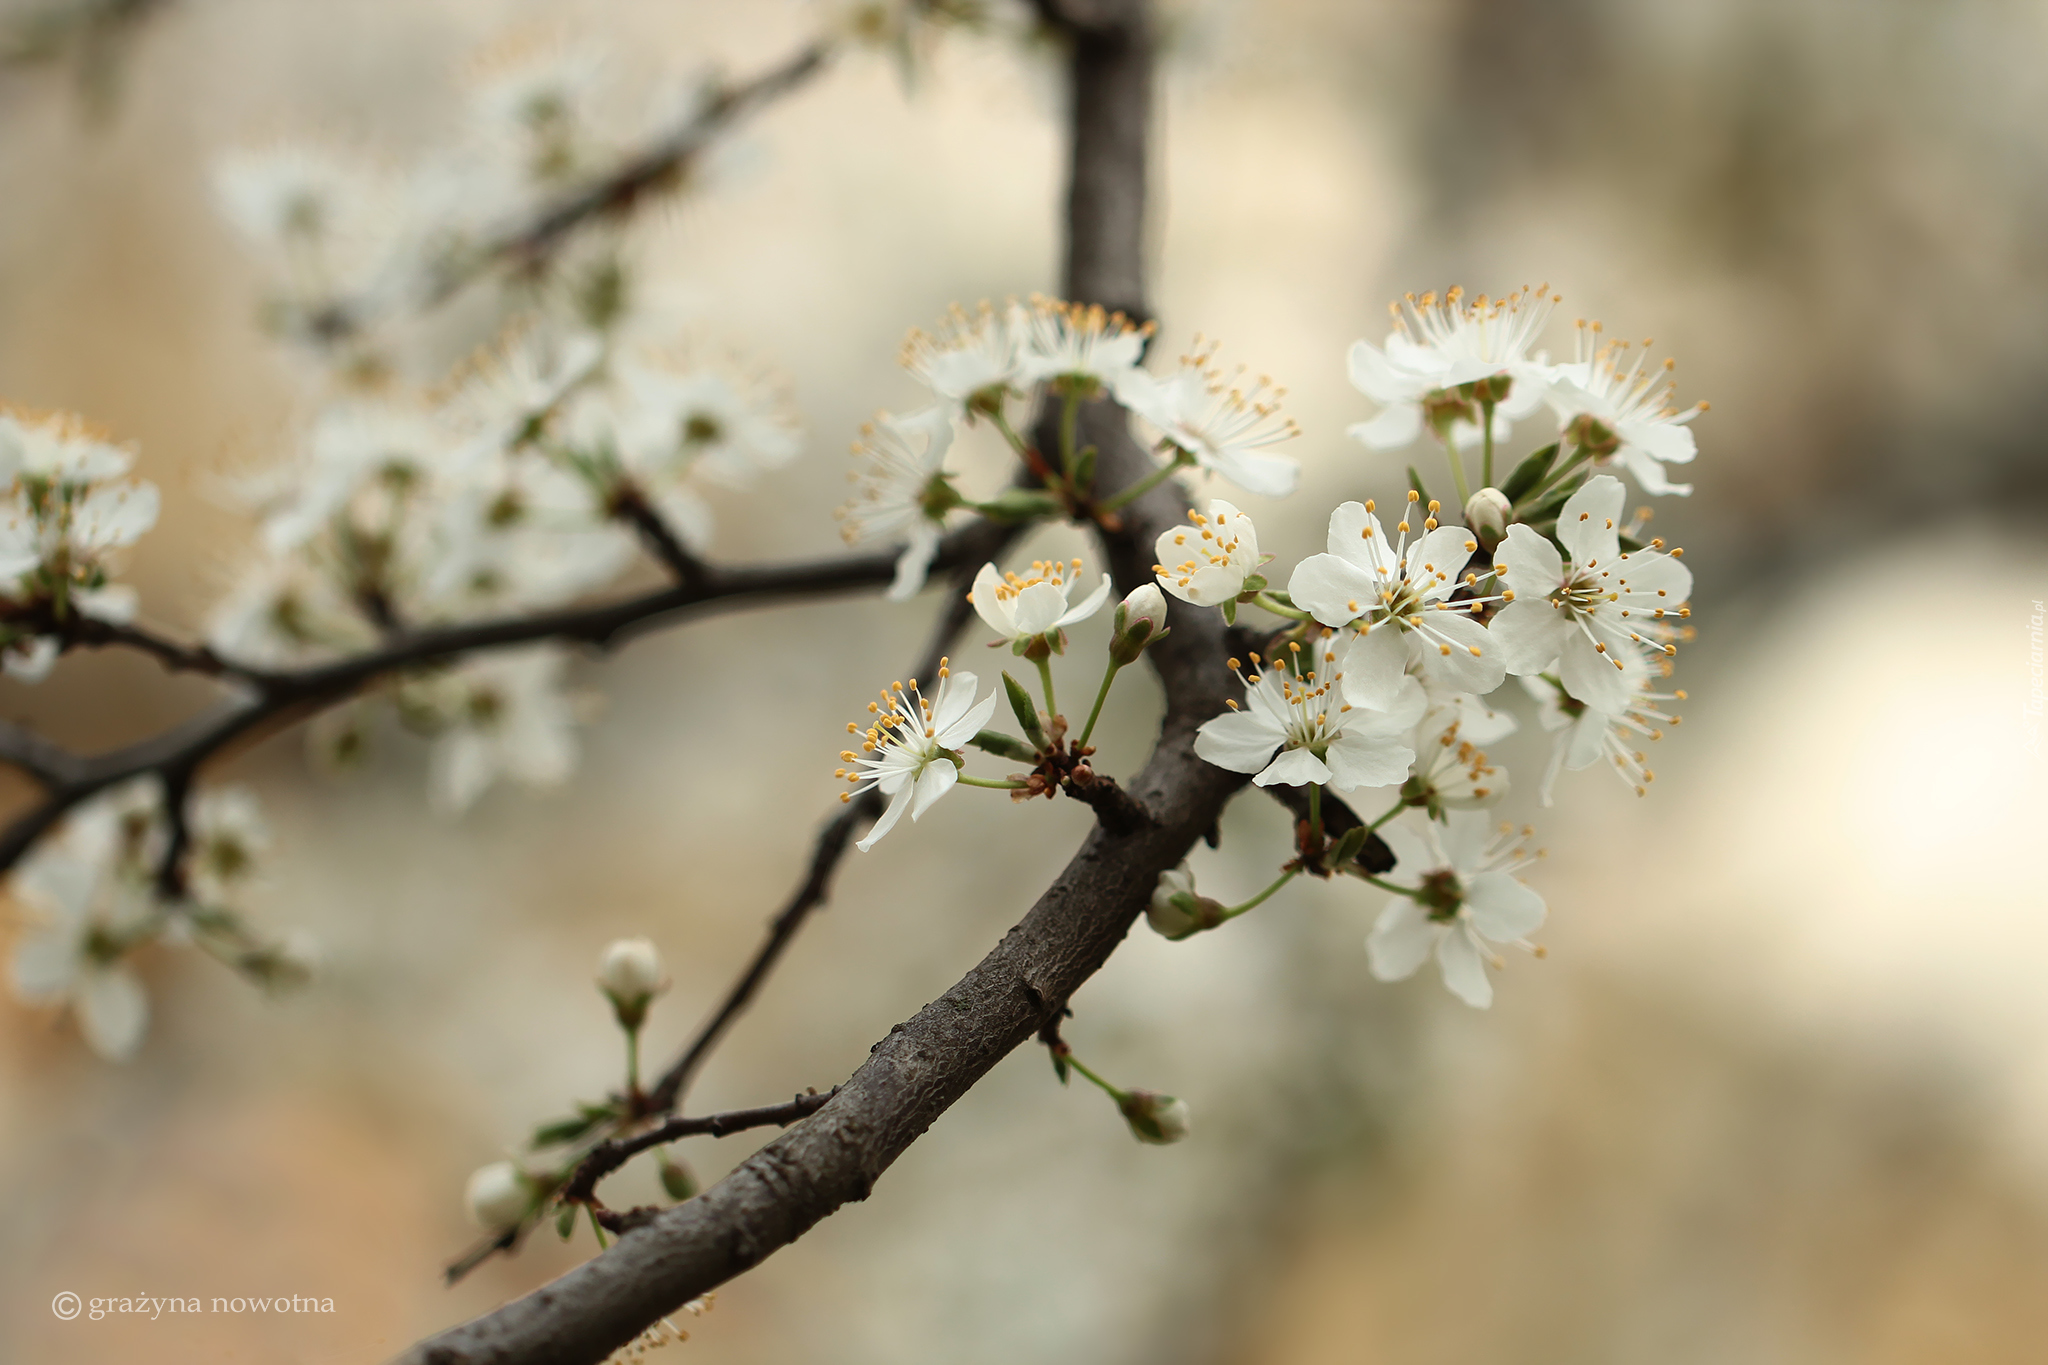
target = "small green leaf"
x: 1346, y: 848
x: 1004, y: 746
x: 1530, y: 473
x: 1025, y: 710
x: 1060, y: 1067
x: 565, y: 1221
x: 1415, y: 482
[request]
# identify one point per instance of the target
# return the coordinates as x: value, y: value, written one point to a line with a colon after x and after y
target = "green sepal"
x: 1060, y: 1067
x: 1230, y: 612
x: 1004, y: 746
x: 565, y: 1221
x: 1529, y: 473
x: 1026, y: 712
x: 1346, y: 849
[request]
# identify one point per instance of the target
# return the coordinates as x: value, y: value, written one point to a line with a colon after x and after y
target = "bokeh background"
x: 1778, y: 1094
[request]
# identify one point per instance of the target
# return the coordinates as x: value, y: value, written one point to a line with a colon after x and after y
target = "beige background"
x: 1780, y: 1092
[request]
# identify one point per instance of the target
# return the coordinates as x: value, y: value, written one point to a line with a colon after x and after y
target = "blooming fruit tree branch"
x: 426, y: 559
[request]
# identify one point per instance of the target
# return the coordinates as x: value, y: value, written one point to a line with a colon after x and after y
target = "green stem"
x: 1070, y: 417
x: 596, y: 1227
x: 1144, y: 485
x: 995, y: 784
x: 1052, y: 707
x: 1457, y: 469
x: 1486, y: 412
x: 1389, y: 886
x: 1315, y: 811
x: 1233, y: 911
x: 1078, y: 1065
x: 632, y: 1061
x: 1557, y: 476
x: 1002, y: 424
x: 1398, y: 807
x: 1267, y: 602
x: 1102, y: 695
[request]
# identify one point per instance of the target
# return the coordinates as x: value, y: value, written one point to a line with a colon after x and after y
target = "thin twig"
x: 630, y: 505
x: 613, y: 1153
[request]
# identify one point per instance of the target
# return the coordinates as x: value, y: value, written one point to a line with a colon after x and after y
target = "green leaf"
x: 1004, y: 746
x: 565, y: 1221
x: 1530, y: 473
x: 1026, y: 712
x: 569, y: 1129
x: 1346, y: 848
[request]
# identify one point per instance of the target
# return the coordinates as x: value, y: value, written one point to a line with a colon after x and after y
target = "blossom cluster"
x: 1377, y: 682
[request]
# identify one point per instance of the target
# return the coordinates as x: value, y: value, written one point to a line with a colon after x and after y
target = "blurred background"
x: 1779, y: 1093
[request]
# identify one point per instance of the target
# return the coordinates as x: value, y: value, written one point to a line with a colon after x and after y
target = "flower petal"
x: 1587, y: 525
x: 898, y: 803
x: 1238, y: 741
x: 1528, y: 635
x: 1293, y: 768
x: 1502, y: 907
x: 112, y: 1012
x: 1332, y: 589
x: 1375, y: 665
x: 1400, y: 940
x: 1464, y: 967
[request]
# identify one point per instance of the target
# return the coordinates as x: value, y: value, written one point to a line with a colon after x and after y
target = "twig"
x: 285, y: 696
x: 630, y: 505
x: 613, y: 1153
x: 527, y: 244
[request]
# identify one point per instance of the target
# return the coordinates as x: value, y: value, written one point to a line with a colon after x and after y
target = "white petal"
x: 915, y: 563
x: 1586, y: 526
x: 1464, y: 968
x: 1332, y: 589
x: 1591, y: 676
x: 1392, y: 429
x: 1238, y: 741
x: 1462, y: 669
x: 1255, y: 471
x: 1413, y: 853
x: 1502, y: 907
x: 112, y: 1012
x: 1374, y: 665
x: 1293, y: 768
x: 1438, y: 557
x: 45, y: 966
x: 1358, y: 759
x: 1528, y: 563
x: 1528, y: 634
x: 898, y: 803
x: 1089, y: 607
x: 1400, y: 940
x: 1036, y: 609
x: 934, y: 782
x: 999, y: 615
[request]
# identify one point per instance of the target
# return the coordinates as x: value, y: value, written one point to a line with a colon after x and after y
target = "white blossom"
x: 1395, y: 594
x: 87, y: 893
x: 971, y: 357
x: 496, y: 715
x: 902, y: 492
x: 1463, y: 897
x: 1581, y: 614
x: 630, y: 972
x: 1585, y: 735
x: 1207, y: 563
x: 1451, y: 771
x: 1022, y: 608
x: 1076, y: 341
x: 909, y: 751
x: 281, y: 612
x: 1320, y: 737
x: 228, y: 837
x: 1440, y: 344
x: 678, y: 419
x: 1223, y: 423
x: 388, y: 449
x: 1633, y: 403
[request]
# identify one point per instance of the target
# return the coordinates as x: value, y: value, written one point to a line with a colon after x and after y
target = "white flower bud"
x: 630, y: 974
x: 1145, y: 601
x: 1137, y: 623
x: 1155, y: 1118
x: 500, y: 1196
x: 1487, y: 514
x: 1176, y: 911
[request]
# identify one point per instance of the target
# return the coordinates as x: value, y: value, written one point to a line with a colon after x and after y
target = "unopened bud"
x: 500, y: 1196
x: 678, y: 1179
x: 1487, y: 514
x: 1155, y: 1118
x: 1136, y: 623
x: 630, y: 975
x: 1176, y: 911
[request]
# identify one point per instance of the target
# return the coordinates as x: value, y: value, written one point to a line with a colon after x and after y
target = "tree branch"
x: 284, y: 696
x: 613, y: 1153
x: 928, y: 1062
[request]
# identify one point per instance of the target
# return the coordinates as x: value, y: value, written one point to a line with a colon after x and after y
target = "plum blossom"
x: 1027, y: 608
x: 1585, y: 735
x: 1208, y: 562
x: 1644, y: 431
x: 1081, y: 342
x: 497, y: 715
x: 910, y: 751
x: 1582, y: 614
x: 1395, y: 594
x: 1223, y: 424
x: 1320, y: 738
x: 1460, y: 896
x: 972, y: 359
x: 1438, y: 345
x: 903, y: 492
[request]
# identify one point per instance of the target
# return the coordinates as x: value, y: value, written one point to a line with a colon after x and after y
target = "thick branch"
x: 928, y: 1062
x: 281, y: 697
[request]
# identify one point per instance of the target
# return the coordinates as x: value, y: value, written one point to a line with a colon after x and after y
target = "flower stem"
x: 1396, y: 809
x: 1052, y: 707
x: 1108, y: 677
x: 632, y: 1061
x: 1486, y: 412
x: 997, y: 784
x: 1142, y: 486
x: 1002, y: 424
x: 1315, y: 811
x: 1267, y: 602
x: 1070, y: 416
x: 1078, y: 1065
x: 1232, y: 912
x: 1457, y: 469
x: 1389, y: 886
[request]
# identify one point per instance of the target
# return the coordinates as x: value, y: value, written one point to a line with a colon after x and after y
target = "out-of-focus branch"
x: 279, y: 697
x: 608, y: 1156
x: 926, y: 1063
x: 528, y: 244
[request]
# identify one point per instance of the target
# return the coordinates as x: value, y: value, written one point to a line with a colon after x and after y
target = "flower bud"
x: 1176, y: 911
x: 1136, y: 623
x: 500, y: 1196
x: 630, y: 974
x: 1487, y: 515
x: 1155, y: 1118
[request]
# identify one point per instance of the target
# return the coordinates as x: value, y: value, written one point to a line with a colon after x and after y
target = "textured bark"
x: 931, y: 1060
